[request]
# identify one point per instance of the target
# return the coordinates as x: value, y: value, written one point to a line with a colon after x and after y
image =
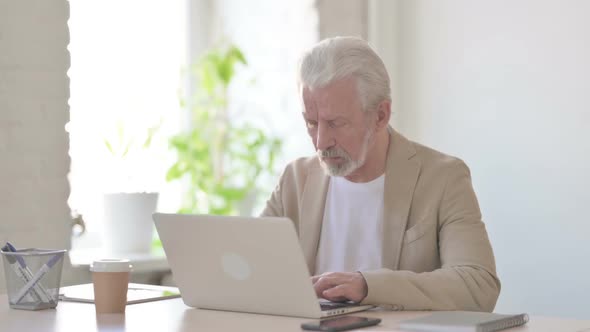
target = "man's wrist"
x: 364, y: 286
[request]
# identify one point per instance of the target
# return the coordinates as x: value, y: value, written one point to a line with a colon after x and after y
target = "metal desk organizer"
x: 32, y: 277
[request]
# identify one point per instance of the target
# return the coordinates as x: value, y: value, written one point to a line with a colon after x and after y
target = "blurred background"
x: 157, y: 103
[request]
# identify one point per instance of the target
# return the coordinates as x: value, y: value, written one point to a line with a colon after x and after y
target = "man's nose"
x: 324, y: 138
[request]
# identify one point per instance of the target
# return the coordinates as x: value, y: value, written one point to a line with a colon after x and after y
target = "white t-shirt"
x: 351, y: 237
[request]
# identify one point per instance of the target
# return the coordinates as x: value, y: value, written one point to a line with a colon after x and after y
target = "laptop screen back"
x: 238, y: 264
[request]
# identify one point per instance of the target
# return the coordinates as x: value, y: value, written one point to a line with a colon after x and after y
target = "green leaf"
x: 226, y: 71
x: 150, y: 134
x: 235, y: 53
x: 175, y: 172
x: 109, y: 146
x: 127, y: 147
x: 207, y: 81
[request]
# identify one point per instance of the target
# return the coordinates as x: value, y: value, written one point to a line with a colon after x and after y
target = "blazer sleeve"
x: 467, y: 277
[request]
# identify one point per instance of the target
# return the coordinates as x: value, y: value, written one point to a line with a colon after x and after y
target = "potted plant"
x: 129, y: 199
x: 220, y: 158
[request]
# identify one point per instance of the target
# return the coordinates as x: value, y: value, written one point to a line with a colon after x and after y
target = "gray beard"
x: 349, y: 165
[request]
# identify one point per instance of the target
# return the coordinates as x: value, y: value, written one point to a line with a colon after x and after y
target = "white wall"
x: 342, y: 18
x: 505, y: 85
x: 34, y: 92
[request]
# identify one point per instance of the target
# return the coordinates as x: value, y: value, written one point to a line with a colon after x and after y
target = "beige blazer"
x: 436, y: 251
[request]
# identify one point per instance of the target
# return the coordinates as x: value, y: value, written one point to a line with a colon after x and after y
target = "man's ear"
x: 383, y: 114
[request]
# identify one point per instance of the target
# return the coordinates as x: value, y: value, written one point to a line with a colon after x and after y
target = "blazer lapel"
x: 312, y: 214
x: 401, y: 175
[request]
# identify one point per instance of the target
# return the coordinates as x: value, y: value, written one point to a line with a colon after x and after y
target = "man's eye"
x: 335, y: 124
x: 311, y: 124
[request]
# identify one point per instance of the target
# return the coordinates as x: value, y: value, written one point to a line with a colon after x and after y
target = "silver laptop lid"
x: 238, y: 263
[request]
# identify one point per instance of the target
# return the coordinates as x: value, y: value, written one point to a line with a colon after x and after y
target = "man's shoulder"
x: 434, y: 156
x: 433, y: 159
x: 296, y: 174
x: 436, y: 169
x: 303, y: 165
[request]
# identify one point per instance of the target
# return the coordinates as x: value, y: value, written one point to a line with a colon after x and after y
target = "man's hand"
x: 340, y: 286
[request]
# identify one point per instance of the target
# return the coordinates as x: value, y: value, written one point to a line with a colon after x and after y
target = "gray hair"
x: 342, y: 57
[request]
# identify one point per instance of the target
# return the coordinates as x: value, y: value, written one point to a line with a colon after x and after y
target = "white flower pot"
x: 128, y: 225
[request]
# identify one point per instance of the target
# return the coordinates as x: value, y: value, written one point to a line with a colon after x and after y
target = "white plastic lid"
x: 111, y: 265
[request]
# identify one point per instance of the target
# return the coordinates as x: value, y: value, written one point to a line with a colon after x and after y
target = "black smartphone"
x: 340, y: 324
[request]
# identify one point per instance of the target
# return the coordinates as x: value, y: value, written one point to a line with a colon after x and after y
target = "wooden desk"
x: 173, y: 315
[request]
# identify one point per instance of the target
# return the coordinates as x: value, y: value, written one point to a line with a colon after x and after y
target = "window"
x: 125, y: 76
x: 126, y: 61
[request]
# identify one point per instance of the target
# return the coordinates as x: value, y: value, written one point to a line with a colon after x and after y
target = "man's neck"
x: 376, y: 161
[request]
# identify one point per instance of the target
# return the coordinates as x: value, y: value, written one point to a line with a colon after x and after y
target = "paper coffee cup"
x: 110, y: 278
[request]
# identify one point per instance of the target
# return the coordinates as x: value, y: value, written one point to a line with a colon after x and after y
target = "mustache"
x: 332, y: 152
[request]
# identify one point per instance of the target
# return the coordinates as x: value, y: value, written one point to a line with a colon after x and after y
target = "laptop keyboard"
x: 335, y: 305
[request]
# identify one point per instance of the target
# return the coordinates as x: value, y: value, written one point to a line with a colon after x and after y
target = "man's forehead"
x: 336, y: 94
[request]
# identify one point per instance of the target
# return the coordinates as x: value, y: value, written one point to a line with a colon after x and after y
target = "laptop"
x: 243, y: 264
